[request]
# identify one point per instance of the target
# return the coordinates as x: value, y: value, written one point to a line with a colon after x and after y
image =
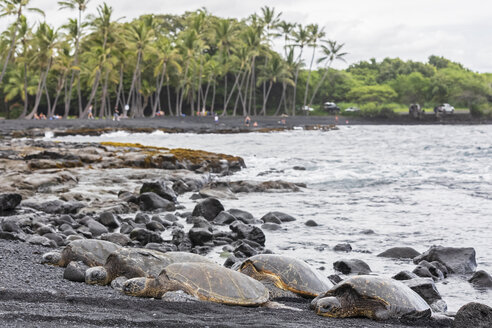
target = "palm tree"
x: 276, y: 71
x: 46, y: 40
x: 331, y: 53
x: 139, y: 37
x: 75, y: 28
x: 10, y: 8
x: 315, y: 35
x: 301, y: 38
x: 166, y: 55
x: 102, y: 26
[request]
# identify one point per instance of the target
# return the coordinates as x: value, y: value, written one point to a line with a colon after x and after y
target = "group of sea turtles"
x: 253, y: 282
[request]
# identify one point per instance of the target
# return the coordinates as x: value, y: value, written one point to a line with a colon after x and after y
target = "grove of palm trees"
x: 195, y: 62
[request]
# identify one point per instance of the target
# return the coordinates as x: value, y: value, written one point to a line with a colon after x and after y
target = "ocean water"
x: 374, y: 187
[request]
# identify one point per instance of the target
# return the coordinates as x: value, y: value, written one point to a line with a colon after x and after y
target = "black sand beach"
x: 36, y: 295
x: 226, y: 124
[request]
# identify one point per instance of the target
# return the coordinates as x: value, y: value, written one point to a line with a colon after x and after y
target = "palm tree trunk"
x: 325, y: 74
x: 95, y: 85
x: 295, y: 84
x: 160, y: 81
x: 281, y: 100
x: 58, y: 92
x: 309, y: 77
x: 11, y: 49
x: 134, y: 79
x: 26, y: 96
x: 266, y: 98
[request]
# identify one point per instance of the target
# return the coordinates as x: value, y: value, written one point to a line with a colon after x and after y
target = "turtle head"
x: 96, y: 276
x: 53, y: 258
x: 328, y: 307
x: 142, y: 287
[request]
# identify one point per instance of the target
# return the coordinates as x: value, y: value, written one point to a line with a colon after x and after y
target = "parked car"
x: 444, y: 108
x: 331, y: 107
x: 352, y: 109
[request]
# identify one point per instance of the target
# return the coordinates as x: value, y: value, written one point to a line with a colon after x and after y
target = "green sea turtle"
x: 90, y: 251
x: 137, y: 262
x: 205, y: 281
x: 286, y: 273
x: 378, y: 298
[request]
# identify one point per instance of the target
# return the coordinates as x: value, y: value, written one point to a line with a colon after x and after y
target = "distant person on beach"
x: 116, y: 116
x: 216, y: 119
x: 89, y: 115
x: 247, y: 120
x: 255, y: 124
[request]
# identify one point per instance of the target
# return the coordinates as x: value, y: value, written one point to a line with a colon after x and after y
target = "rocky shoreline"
x: 54, y: 193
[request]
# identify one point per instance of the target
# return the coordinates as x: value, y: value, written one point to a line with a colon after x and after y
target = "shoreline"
x: 37, y: 128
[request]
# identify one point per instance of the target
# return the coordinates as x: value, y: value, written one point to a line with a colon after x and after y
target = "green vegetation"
x: 183, y: 64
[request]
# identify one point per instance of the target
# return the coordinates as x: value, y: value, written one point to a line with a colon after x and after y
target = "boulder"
x: 277, y: 216
x: 144, y: 236
x: 342, y: 248
x: 428, y: 270
x: 243, y: 216
x: 75, y: 271
x: 96, y: 228
x: 456, y: 260
x: 249, y: 232
x: 244, y: 250
x: 208, y: 208
x: 117, y: 238
x: 9, y: 202
x: 427, y: 289
x: 164, y: 247
x: 481, y: 279
x: 155, y: 226
x: 150, y: 201
x: 352, y: 266
x: 311, y: 223
x: 405, y: 275
x: 160, y: 188
x: 200, y: 236
x: 109, y: 220
x: 399, y: 253
x: 474, y: 315
x: 224, y: 218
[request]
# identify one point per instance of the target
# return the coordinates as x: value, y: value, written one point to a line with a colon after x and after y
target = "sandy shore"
x: 36, y: 295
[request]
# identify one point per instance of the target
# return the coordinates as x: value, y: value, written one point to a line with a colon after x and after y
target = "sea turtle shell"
x: 139, y: 262
x: 286, y: 273
x: 90, y: 251
x: 374, y: 297
x: 212, y: 282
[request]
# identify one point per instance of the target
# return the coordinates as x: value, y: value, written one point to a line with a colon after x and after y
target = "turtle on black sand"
x: 137, y: 262
x: 205, y: 281
x: 286, y: 273
x: 378, y: 298
x: 90, y: 251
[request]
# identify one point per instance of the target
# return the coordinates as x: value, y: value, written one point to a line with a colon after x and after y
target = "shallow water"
x: 413, y: 186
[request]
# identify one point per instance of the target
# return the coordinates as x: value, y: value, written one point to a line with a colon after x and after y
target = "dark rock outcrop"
x: 352, y: 266
x: 160, y: 188
x: 242, y: 215
x: 9, y: 202
x: 208, y: 208
x: 427, y: 270
x: 399, y: 253
x: 481, y: 279
x: 276, y: 216
x: 427, y: 289
x: 456, y: 260
x: 475, y: 315
x: 150, y: 201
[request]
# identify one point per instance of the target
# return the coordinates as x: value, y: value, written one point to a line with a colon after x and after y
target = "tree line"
x: 195, y: 62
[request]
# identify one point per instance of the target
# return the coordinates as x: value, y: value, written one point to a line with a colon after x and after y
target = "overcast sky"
x: 460, y: 30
